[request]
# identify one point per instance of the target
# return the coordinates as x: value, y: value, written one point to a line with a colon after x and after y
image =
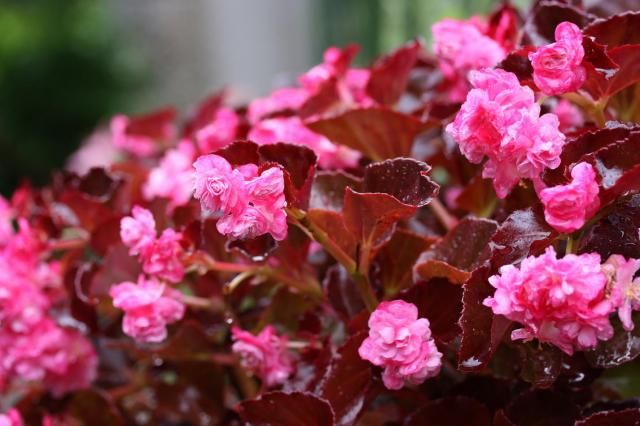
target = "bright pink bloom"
x: 500, y: 120
x: 625, y: 291
x: 221, y: 132
x: 558, y: 301
x: 265, y: 354
x: 163, y: 257
x: 557, y: 66
x: 22, y: 305
x: 61, y: 358
x: 217, y: 186
x: 402, y: 344
x: 11, y: 418
x: 569, y: 115
x: 335, y: 64
x: 461, y: 47
x: 138, y: 231
x: 173, y: 178
x: 6, y: 215
x: 143, y: 135
x: 293, y: 130
x: 568, y: 207
x: 288, y: 98
x: 148, y: 307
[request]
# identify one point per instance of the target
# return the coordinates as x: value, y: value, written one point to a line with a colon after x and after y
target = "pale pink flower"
x: 402, y: 344
x: 218, y: 186
x: 97, y: 150
x: 143, y: 135
x: 219, y: 133
x: 6, y: 215
x: 265, y: 355
x: 569, y: 115
x: 568, y: 207
x: 557, y: 66
x: 462, y: 46
x: 11, y: 418
x: 138, y: 231
x: 625, y: 290
x: 288, y: 98
x: 501, y: 121
x: 163, y: 257
x: 173, y: 178
x: 558, y: 301
x: 292, y: 130
x: 148, y: 307
x: 335, y: 64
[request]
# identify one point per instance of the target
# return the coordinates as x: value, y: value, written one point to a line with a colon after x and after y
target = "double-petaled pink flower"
x: 251, y: 204
x: 501, y: 121
x: 220, y: 132
x: 160, y: 256
x: 265, y: 354
x: 558, y: 301
x: 462, y: 46
x: 568, y: 207
x: 402, y: 344
x: 173, y: 178
x: 557, y: 66
x: 149, y: 306
x: 625, y: 290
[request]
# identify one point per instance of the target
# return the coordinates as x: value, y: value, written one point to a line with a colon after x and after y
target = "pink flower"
x: 6, y: 215
x: 265, y: 354
x: 22, y: 305
x: 557, y: 66
x: 462, y: 46
x: 558, y: 301
x: 293, y: 130
x: 569, y: 115
x: 173, y: 178
x: 11, y: 418
x: 61, y: 358
x: 163, y: 257
x: 288, y: 98
x: 143, y: 135
x: 217, y: 186
x: 401, y: 343
x: 335, y: 64
x: 148, y: 307
x: 568, y: 207
x: 625, y: 291
x: 220, y: 132
x: 138, y: 231
x: 501, y: 121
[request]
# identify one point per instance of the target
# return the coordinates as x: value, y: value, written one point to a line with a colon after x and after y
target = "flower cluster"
x: 567, y: 207
x: 557, y: 67
x: 401, y: 343
x: 264, y: 354
x: 252, y: 203
x: 559, y: 301
x: 463, y: 46
x: 501, y: 121
x: 34, y: 347
x: 160, y: 256
x: 148, y: 307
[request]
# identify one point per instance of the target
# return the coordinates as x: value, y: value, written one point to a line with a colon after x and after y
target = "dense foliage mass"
x: 445, y: 238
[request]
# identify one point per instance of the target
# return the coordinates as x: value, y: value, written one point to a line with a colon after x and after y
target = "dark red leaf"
x: 153, y: 124
x: 617, y: 232
x: 452, y: 411
x: 545, y: 17
x: 518, y: 63
x: 204, y: 113
x: 327, y: 191
x: 629, y: 417
x: 333, y: 225
x: 615, y: 30
x: 623, y: 347
x: 287, y: 409
x: 240, y: 152
x: 540, y: 364
x: 347, y: 381
x: 539, y: 407
x: 504, y: 26
x: 370, y: 217
x: 95, y: 408
x: 405, y: 179
x: 342, y: 292
x: 396, y: 260
x: 390, y: 73
x: 378, y: 133
x: 256, y: 249
x: 322, y: 101
x: 441, y: 303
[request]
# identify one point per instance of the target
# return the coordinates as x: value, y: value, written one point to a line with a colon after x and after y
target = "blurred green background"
x: 65, y: 65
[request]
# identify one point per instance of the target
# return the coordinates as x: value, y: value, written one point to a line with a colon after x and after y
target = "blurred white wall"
x: 194, y: 47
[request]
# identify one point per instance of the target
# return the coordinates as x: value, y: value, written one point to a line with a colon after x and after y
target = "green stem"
x: 570, y: 244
